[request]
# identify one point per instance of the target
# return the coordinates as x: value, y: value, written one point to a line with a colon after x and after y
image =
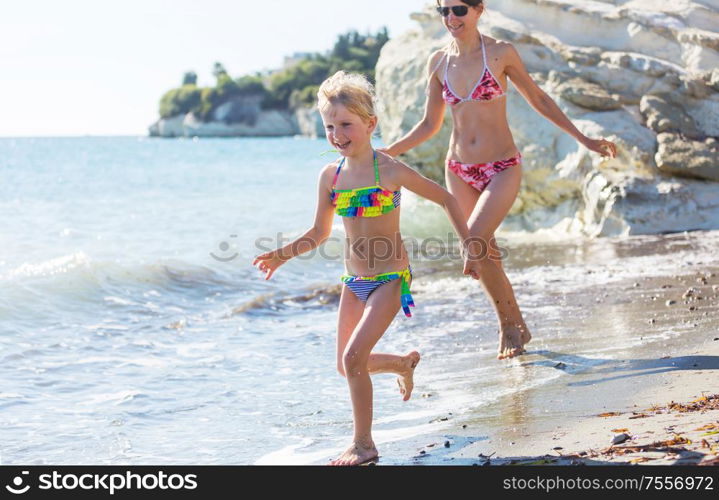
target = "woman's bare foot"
x: 510, y: 342
x: 357, y: 454
x: 406, y: 377
x: 526, y: 335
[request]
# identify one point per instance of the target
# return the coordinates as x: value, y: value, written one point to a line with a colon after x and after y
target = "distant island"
x: 276, y: 103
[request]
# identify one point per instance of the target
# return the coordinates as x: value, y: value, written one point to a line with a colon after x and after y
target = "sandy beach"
x: 673, y: 422
x: 659, y: 405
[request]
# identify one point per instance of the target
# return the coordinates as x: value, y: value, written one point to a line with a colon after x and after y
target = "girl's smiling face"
x: 346, y: 131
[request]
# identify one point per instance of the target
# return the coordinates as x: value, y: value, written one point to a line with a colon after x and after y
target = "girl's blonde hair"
x: 351, y: 90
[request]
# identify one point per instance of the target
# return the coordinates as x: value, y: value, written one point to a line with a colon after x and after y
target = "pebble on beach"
x: 621, y: 438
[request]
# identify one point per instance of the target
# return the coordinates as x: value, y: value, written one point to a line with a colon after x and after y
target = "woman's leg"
x: 484, y: 215
x: 489, y: 212
x: 381, y: 308
x: 465, y: 194
x: 496, y: 255
x: 350, y: 312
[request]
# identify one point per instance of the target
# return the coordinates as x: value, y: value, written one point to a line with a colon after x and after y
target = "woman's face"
x: 346, y: 131
x: 461, y: 25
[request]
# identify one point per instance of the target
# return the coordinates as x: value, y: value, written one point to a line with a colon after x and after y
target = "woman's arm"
x: 433, y: 118
x: 427, y: 188
x: 545, y: 105
x: 311, y: 239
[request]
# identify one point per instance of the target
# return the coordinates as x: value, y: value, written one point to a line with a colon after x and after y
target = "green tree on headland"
x: 180, y: 101
x: 218, y: 70
x: 190, y: 78
x: 226, y: 90
x: 288, y: 88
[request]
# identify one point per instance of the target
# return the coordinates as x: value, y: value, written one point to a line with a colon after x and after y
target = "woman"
x: 484, y: 167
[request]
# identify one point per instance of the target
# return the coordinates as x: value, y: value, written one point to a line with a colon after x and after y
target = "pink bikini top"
x: 487, y: 88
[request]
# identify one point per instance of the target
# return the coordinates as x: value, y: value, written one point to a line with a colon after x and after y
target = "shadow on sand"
x: 617, y: 369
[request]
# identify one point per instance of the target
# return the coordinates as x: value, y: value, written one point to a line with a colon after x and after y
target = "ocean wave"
x: 63, y: 289
x: 59, y: 265
x: 77, y: 270
x: 277, y: 301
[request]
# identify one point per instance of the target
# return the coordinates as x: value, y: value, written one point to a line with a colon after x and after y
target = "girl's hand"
x: 471, y: 265
x: 601, y: 146
x: 472, y: 268
x: 268, y: 263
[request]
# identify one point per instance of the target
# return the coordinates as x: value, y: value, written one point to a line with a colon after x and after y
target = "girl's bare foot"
x: 406, y: 378
x: 510, y: 342
x: 356, y: 454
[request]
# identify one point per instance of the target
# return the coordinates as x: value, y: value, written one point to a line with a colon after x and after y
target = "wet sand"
x: 675, y: 421
x: 673, y: 318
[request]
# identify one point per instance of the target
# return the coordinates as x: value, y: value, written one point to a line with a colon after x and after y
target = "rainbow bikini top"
x: 370, y: 201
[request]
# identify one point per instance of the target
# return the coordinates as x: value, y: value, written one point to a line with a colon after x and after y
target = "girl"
x: 484, y: 167
x: 378, y: 275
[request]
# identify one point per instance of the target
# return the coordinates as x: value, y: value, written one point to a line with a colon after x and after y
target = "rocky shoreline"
x: 255, y: 123
x: 642, y: 73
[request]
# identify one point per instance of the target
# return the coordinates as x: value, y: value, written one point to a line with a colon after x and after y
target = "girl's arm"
x: 433, y: 118
x: 545, y: 105
x: 312, y: 238
x: 427, y: 188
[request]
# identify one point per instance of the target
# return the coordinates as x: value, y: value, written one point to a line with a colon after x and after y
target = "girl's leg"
x: 489, y: 212
x: 380, y: 310
x: 350, y: 312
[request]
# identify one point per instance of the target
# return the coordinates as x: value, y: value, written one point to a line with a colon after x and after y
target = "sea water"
x: 134, y: 329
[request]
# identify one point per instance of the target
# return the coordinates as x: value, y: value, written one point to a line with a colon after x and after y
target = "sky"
x: 89, y: 67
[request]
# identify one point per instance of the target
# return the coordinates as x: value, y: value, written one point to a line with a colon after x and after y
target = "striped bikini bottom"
x: 363, y: 286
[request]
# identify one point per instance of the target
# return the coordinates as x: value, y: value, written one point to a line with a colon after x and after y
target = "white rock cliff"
x: 642, y: 73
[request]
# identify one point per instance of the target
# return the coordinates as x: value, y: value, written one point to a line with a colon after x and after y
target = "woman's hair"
x: 351, y: 90
x: 471, y: 3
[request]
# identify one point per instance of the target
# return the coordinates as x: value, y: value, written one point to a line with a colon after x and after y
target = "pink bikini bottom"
x: 479, y: 175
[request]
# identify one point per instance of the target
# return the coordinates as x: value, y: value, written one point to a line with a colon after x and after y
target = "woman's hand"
x: 386, y: 151
x: 601, y: 146
x: 268, y: 263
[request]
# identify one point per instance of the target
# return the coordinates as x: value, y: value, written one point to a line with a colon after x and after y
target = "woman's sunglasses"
x: 457, y: 10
